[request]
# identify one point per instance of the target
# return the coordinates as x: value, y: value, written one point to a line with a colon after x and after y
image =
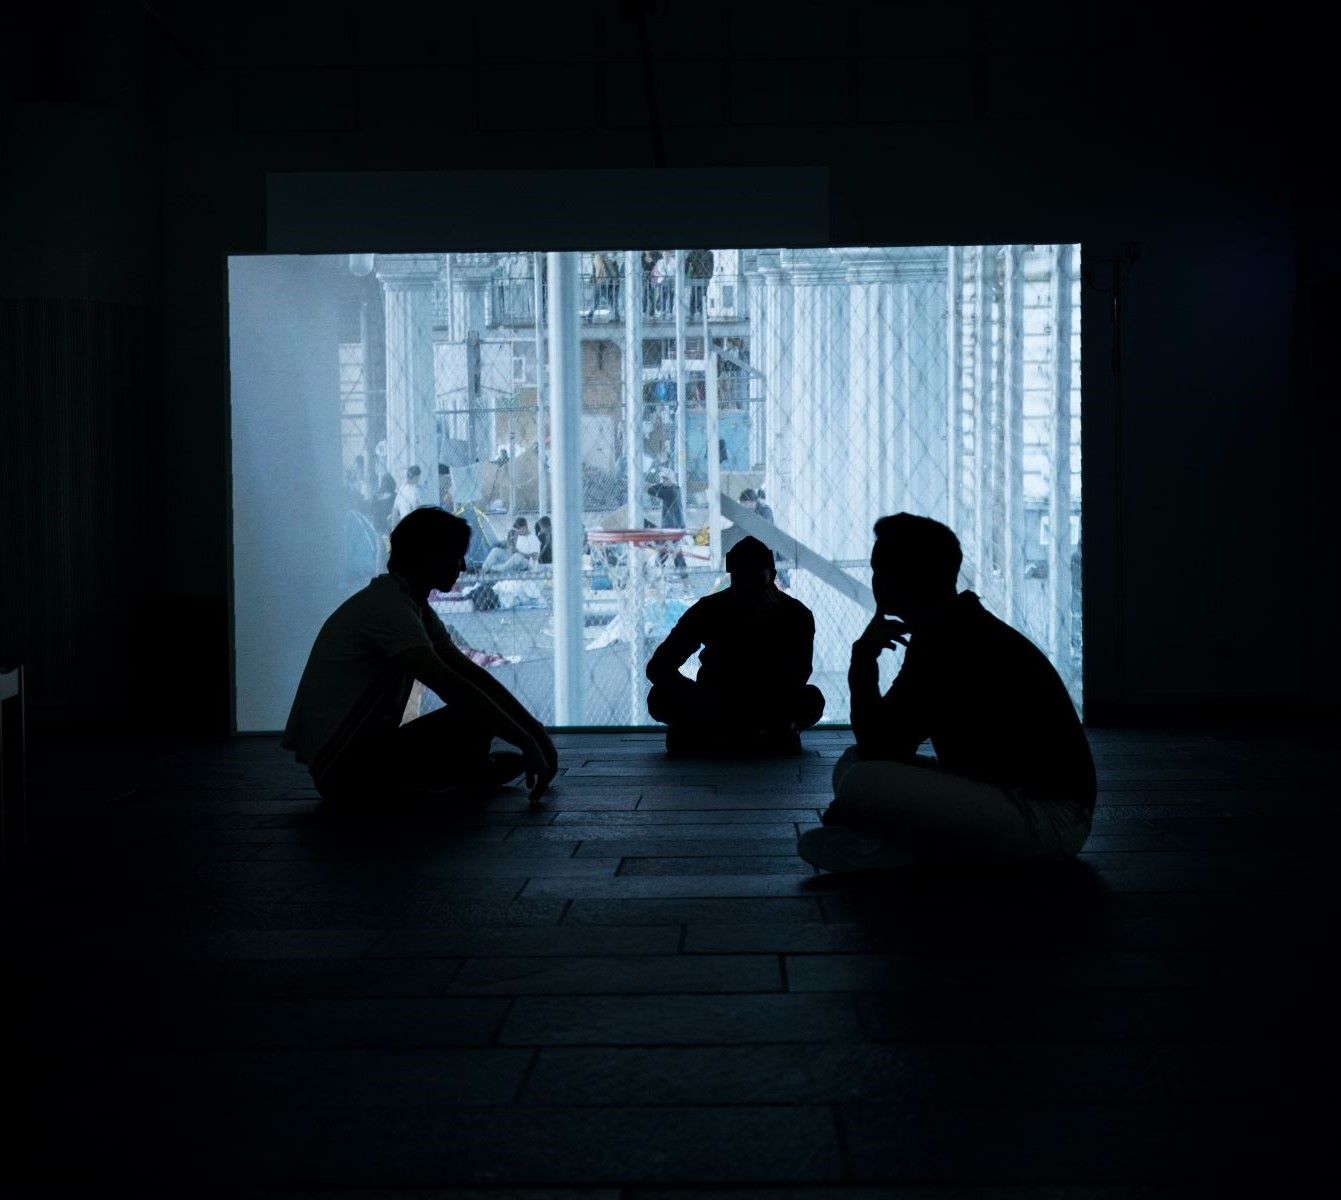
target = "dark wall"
x: 1179, y: 148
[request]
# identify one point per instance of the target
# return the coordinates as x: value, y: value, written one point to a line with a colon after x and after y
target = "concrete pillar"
x: 1012, y: 390
x: 541, y: 389
x: 982, y: 424
x: 471, y: 274
x: 1059, y: 493
x: 633, y: 458
x: 772, y: 354
x: 817, y: 510
x: 877, y: 426
x: 633, y: 385
x: 565, y: 386
x: 954, y: 398
x: 681, y: 408
x: 411, y: 401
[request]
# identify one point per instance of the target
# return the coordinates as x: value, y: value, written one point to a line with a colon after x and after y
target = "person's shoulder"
x: 795, y: 607
x: 712, y: 602
x: 978, y: 622
x: 384, y: 591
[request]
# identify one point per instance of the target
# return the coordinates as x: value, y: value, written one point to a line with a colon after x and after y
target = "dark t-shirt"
x: 672, y: 511
x: 993, y: 706
x: 752, y: 649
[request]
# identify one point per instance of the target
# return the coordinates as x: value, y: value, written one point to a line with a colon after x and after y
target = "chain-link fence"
x: 799, y: 394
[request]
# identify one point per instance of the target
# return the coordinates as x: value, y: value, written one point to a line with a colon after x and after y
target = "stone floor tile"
x: 416, y: 1148
x: 356, y: 1079
x: 655, y: 887
x: 563, y: 940
x: 678, y: 1020
x: 342, y: 1023
x: 692, y: 866
x: 694, y: 832
x: 941, y: 1073
x: 651, y: 823
x: 629, y: 975
x: 696, y: 910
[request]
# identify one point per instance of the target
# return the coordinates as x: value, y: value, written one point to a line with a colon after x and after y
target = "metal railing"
x: 721, y: 297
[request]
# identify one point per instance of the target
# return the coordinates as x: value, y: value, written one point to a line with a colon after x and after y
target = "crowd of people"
x: 656, y: 269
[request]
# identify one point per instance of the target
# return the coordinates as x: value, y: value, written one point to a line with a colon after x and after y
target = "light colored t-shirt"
x: 350, y: 686
x: 528, y: 543
x: 407, y: 500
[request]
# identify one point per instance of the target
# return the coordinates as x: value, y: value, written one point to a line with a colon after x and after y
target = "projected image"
x: 789, y: 395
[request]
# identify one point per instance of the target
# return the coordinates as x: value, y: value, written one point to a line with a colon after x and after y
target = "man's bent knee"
x: 845, y: 762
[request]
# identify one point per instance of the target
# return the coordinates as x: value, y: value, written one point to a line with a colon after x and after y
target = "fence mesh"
x: 825, y: 387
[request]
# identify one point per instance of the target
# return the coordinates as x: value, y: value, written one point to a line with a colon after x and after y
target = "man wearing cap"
x: 755, y: 644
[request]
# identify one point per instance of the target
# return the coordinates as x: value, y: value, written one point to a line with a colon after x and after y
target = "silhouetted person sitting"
x: 751, y: 695
x: 345, y: 724
x: 1013, y: 776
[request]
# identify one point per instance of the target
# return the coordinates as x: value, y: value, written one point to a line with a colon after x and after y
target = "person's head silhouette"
x: 750, y: 564
x: 914, y: 566
x: 428, y: 547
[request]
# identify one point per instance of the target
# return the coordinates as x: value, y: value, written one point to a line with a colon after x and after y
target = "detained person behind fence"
x: 752, y: 694
x: 345, y: 724
x: 1013, y: 776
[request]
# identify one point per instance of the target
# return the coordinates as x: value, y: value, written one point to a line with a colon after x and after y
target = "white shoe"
x: 838, y: 848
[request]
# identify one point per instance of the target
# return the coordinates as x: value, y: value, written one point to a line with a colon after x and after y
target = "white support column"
x: 819, y: 510
x: 681, y: 455
x: 566, y: 422
x: 925, y: 320
x: 871, y: 416
x: 982, y: 424
x: 896, y: 385
x: 757, y: 308
x: 542, y: 496
x: 1059, y: 493
x: 411, y: 402
x: 712, y: 420
x: 1012, y: 391
x: 902, y: 400
x: 774, y: 359
x: 633, y: 385
x: 954, y: 367
x: 633, y: 458
x: 471, y: 274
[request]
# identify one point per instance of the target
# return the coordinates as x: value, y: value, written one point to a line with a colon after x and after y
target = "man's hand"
x: 883, y: 633
x: 547, y: 747
x: 542, y: 764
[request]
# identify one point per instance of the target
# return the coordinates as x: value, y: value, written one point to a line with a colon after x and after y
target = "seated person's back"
x: 754, y: 663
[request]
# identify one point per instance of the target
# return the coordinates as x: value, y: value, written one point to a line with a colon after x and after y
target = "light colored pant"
x: 934, y: 812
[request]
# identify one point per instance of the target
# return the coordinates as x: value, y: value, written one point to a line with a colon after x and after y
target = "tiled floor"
x: 641, y: 992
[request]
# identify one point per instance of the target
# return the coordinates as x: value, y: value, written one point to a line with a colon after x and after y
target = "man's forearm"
x: 457, y: 683
x: 500, y: 696
x: 863, y: 681
x: 669, y: 657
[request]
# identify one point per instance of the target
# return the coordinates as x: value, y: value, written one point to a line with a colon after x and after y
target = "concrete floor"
x: 641, y: 992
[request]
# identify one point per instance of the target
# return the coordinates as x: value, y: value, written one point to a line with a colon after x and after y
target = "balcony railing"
x: 721, y: 297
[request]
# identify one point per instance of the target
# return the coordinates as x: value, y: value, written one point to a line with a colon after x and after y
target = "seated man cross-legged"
x: 345, y: 724
x: 1013, y: 776
x: 752, y: 694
